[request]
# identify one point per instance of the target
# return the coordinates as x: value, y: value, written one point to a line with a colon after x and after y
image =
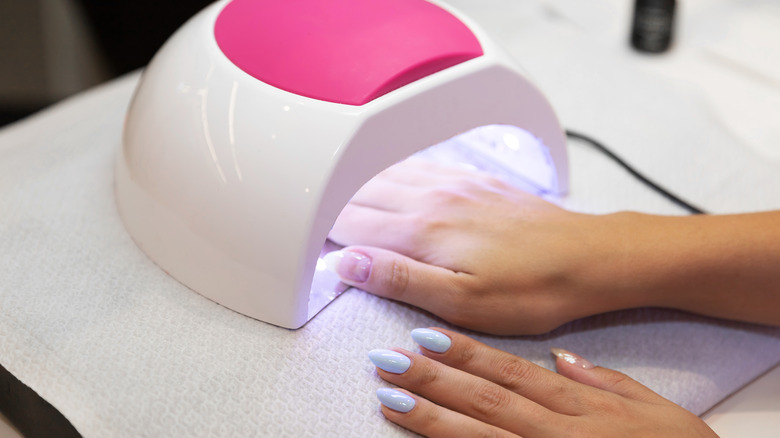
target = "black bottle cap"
x: 652, y: 27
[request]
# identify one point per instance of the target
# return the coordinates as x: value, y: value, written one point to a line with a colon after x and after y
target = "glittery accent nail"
x: 572, y: 358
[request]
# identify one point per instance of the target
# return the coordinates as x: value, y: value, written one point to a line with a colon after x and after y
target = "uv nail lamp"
x: 259, y: 119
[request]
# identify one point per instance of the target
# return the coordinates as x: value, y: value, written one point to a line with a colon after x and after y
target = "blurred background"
x: 51, y: 49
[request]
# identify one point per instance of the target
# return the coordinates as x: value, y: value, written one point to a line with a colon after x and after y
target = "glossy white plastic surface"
x: 231, y: 185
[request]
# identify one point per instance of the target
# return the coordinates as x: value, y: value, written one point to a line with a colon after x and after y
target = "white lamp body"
x: 232, y: 185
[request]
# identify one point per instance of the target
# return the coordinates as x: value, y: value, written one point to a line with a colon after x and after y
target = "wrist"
x: 626, y: 254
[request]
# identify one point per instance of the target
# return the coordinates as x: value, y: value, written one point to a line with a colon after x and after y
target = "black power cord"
x: 665, y: 193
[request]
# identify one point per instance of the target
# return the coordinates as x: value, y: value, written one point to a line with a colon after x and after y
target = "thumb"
x: 581, y: 370
x: 395, y: 276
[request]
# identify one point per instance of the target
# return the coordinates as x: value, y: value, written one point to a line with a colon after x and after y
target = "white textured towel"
x: 121, y: 349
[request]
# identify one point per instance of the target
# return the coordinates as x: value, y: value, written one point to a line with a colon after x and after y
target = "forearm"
x: 726, y: 266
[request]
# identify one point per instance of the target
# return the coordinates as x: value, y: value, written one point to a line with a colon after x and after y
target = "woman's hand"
x: 487, y: 256
x: 475, y: 251
x: 460, y: 387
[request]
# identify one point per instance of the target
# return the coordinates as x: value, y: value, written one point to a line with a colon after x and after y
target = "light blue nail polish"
x: 390, y: 361
x: 395, y: 400
x: 432, y: 340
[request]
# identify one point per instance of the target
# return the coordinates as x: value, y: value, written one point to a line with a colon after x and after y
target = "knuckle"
x: 496, y: 183
x: 483, y: 185
x: 476, y: 181
x: 514, y: 373
x: 431, y: 418
x: 491, y: 433
x: 425, y: 375
x: 428, y: 222
x: 608, y: 406
x: 397, y: 280
x: 464, y: 355
x: 617, y: 379
x: 444, y: 195
x: 490, y: 400
x: 450, y: 197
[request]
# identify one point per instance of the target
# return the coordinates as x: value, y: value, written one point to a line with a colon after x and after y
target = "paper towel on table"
x: 120, y: 348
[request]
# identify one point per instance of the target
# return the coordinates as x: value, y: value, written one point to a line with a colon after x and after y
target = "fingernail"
x: 432, y: 340
x: 572, y: 358
x: 395, y: 400
x: 390, y: 361
x: 351, y: 266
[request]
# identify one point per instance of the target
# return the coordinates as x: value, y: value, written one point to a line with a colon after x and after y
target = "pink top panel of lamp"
x: 342, y: 51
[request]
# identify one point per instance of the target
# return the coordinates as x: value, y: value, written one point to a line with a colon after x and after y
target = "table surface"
x: 753, y: 411
x: 723, y: 59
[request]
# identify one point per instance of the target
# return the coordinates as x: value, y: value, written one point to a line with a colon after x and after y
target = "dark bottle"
x: 653, y: 23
